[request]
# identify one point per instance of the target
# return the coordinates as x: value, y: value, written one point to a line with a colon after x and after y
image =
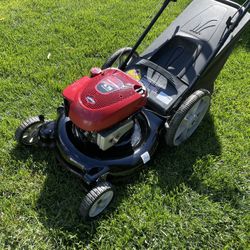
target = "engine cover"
x: 104, y: 100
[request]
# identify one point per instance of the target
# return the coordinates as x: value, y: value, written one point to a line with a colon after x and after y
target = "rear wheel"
x: 96, y: 201
x: 188, y: 117
x: 118, y: 58
x: 28, y: 132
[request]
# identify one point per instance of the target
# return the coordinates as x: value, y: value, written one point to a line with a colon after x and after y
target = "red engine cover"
x: 98, y: 103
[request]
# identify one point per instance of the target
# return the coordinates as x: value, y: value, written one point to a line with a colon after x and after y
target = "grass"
x: 195, y: 196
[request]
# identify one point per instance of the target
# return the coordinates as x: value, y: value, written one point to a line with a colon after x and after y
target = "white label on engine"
x: 145, y: 157
x: 164, y: 98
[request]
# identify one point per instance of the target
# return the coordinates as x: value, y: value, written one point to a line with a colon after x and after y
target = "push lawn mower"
x: 111, y: 121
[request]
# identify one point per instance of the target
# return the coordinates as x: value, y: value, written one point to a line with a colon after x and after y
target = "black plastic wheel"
x: 117, y: 59
x: 188, y: 117
x: 28, y: 132
x: 96, y: 201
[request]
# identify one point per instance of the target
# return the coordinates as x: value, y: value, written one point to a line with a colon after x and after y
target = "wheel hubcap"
x: 192, y: 120
x: 101, y: 203
x: 30, y: 136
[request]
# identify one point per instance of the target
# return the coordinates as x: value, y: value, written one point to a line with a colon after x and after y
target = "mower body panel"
x: 102, y: 101
x: 186, y: 46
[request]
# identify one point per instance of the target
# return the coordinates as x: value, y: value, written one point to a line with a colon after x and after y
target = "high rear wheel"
x: 118, y: 58
x: 188, y: 117
x: 28, y: 132
x: 96, y: 201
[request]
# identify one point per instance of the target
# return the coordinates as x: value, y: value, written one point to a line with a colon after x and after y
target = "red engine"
x: 104, y: 100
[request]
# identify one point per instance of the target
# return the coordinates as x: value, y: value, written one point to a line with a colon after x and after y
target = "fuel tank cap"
x: 95, y: 71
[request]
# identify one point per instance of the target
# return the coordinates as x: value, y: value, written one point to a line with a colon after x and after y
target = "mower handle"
x: 144, y: 34
x: 231, y: 26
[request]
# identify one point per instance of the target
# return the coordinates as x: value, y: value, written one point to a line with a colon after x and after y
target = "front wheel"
x: 188, y: 117
x: 28, y: 132
x: 118, y: 58
x: 96, y: 201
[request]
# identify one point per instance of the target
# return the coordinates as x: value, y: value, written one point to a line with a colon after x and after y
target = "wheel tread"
x: 25, y: 125
x: 181, y: 112
x: 90, y: 198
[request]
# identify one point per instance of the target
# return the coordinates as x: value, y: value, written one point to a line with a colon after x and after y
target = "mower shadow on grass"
x: 191, y: 162
x: 62, y: 193
x: 58, y: 203
x: 175, y: 166
x: 178, y: 162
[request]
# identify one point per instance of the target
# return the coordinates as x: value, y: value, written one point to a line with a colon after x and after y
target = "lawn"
x: 195, y: 196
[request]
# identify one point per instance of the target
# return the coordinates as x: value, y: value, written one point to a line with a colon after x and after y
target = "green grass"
x: 195, y: 196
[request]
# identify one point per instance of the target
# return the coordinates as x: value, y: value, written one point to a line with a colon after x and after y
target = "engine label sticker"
x: 163, y: 97
x: 107, y: 87
x: 145, y: 157
x: 110, y: 84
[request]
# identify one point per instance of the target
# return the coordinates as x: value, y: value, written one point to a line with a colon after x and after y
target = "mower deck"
x: 91, y: 164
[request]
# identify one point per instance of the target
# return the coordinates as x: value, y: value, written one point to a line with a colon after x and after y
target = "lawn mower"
x: 111, y: 122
